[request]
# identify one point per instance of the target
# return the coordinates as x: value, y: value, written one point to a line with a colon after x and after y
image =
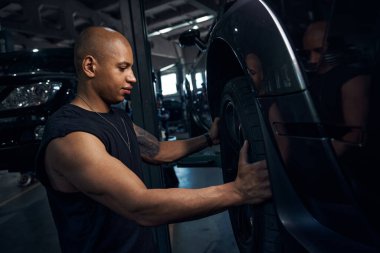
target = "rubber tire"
x: 256, y: 228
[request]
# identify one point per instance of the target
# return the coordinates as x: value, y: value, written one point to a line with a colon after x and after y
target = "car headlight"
x: 30, y: 95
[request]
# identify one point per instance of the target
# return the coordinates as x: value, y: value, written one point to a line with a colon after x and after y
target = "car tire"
x: 256, y: 228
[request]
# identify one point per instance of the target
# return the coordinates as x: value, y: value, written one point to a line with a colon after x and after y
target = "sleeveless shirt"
x: 326, y: 90
x: 83, y: 224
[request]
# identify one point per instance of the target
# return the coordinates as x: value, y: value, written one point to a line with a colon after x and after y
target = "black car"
x: 33, y: 84
x: 300, y: 80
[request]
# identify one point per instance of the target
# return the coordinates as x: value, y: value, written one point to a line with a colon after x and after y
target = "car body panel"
x: 317, y: 198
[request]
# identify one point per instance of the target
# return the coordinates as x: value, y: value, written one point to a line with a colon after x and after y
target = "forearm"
x: 128, y: 196
x: 171, y: 151
x: 162, y: 206
x: 154, y: 151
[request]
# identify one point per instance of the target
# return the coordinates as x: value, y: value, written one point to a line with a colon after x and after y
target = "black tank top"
x: 83, y: 224
x: 326, y: 90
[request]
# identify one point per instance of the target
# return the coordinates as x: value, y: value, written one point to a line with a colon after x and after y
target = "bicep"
x: 355, y: 99
x: 83, y: 161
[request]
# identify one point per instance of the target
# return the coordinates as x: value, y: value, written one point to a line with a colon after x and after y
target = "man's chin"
x: 127, y: 96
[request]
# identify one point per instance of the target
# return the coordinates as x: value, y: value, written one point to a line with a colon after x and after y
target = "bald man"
x: 90, y: 161
x: 340, y: 88
x: 255, y: 71
x: 314, y: 44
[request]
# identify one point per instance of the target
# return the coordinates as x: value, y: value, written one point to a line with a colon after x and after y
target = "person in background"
x: 339, y: 84
x: 344, y: 93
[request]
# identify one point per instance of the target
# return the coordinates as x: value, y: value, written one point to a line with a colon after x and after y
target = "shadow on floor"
x: 26, y: 224
x: 212, y: 234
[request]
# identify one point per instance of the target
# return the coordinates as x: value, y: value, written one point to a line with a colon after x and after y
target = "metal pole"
x: 144, y: 111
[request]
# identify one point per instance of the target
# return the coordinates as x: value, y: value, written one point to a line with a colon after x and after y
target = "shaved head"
x: 103, y: 60
x: 98, y: 42
x: 315, y: 34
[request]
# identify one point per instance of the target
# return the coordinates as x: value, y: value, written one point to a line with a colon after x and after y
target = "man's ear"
x: 88, y: 66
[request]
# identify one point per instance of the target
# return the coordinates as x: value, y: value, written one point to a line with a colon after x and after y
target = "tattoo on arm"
x: 149, y: 145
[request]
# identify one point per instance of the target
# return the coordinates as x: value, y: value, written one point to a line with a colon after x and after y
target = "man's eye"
x: 252, y: 72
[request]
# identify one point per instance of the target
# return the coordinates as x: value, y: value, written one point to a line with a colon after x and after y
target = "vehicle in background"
x: 307, y: 104
x: 33, y: 85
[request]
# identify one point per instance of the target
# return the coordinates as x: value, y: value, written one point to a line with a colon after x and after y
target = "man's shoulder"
x: 67, y: 112
x: 65, y: 118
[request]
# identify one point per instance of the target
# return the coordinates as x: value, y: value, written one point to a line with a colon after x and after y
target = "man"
x: 343, y: 90
x: 340, y: 86
x: 255, y: 71
x: 89, y: 161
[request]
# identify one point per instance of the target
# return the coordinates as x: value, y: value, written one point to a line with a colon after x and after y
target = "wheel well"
x: 222, y: 66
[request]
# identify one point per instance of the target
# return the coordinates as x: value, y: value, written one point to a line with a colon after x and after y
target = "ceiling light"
x: 187, y: 23
x: 154, y: 34
x: 167, y: 67
x: 204, y: 18
x: 165, y: 30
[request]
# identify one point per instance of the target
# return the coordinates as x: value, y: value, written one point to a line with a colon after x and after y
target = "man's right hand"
x: 252, y: 180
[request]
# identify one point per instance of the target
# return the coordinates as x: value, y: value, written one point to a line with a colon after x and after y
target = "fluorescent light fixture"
x: 204, y: 18
x: 35, y: 50
x: 187, y: 23
x: 195, y: 27
x: 165, y: 30
x: 167, y: 67
x: 154, y: 34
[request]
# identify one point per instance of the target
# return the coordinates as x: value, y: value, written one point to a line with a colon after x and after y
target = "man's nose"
x: 314, y: 57
x: 131, y: 77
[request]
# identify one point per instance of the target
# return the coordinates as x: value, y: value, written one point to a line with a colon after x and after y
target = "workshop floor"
x: 27, y: 226
x: 208, y: 235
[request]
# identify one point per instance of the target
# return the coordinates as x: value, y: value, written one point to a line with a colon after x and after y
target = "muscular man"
x: 340, y: 88
x: 90, y: 161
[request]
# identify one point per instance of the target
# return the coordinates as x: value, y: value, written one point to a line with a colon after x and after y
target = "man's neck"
x: 96, y: 105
